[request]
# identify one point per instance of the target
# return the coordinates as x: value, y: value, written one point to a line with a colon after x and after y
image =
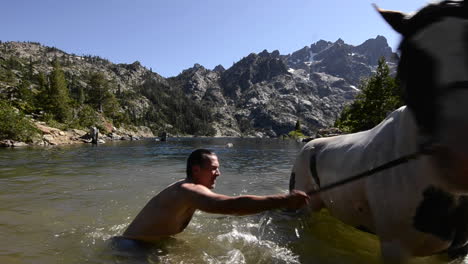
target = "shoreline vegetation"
x: 20, y: 130
x: 50, y: 136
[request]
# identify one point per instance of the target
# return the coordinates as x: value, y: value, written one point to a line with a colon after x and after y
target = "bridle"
x: 426, y: 148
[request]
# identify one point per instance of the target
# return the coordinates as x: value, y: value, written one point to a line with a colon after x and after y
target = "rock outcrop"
x: 265, y: 94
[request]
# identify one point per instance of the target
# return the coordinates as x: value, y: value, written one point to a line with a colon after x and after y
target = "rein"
x: 425, y: 149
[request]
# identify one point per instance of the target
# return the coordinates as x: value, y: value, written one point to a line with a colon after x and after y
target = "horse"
x: 418, y: 206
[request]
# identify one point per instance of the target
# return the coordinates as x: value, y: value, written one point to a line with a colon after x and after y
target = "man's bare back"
x: 170, y: 211
x: 166, y: 214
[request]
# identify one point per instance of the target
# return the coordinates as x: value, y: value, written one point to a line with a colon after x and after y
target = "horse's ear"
x: 394, y: 18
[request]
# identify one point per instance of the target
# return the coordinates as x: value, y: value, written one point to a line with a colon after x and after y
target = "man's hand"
x: 297, y: 199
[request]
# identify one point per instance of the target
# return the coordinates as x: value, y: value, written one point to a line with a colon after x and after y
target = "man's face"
x: 208, y: 172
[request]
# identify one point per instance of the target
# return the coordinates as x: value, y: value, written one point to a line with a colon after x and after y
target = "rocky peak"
x: 340, y: 59
x: 198, y: 82
x: 264, y: 53
x: 251, y: 70
x: 296, y: 59
x: 339, y: 48
x: 320, y: 46
x: 196, y: 69
x: 339, y: 42
x: 219, y: 68
x: 275, y: 54
x: 374, y: 49
x: 197, y: 66
x: 135, y: 66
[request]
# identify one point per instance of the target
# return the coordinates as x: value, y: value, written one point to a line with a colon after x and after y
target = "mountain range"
x: 264, y: 94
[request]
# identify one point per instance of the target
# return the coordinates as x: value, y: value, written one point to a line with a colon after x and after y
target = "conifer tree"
x: 26, y: 96
x: 9, y: 76
x: 98, y: 90
x: 101, y: 98
x: 58, y: 94
x: 42, y: 99
x: 380, y: 94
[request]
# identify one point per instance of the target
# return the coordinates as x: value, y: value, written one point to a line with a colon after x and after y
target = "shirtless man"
x: 170, y: 211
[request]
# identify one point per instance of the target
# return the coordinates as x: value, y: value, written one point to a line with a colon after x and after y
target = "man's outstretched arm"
x: 204, y: 199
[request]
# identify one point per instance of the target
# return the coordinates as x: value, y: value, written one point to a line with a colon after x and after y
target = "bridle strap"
x: 424, y: 149
x: 427, y: 148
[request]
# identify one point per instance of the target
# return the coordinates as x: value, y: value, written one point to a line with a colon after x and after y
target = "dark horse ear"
x: 394, y: 18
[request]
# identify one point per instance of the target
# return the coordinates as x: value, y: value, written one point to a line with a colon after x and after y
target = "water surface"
x: 61, y: 205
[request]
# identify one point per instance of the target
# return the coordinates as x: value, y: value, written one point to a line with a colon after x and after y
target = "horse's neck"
x: 411, y: 137
x: 398, y: 133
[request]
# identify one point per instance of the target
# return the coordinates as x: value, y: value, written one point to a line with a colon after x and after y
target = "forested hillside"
x: 70, y: 91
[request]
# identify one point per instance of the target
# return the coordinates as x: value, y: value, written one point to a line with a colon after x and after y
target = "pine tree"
x: 380, y: 94
x: 98, y: 90
x: 26, y: 96
x: 101, y: 98
x: 58, y: 94
x: 42, y: 101
x: 10, y: 76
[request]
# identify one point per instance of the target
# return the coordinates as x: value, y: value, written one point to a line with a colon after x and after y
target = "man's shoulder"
x: 175, y: 188
x: 193, y: 187
x: 176, y: 192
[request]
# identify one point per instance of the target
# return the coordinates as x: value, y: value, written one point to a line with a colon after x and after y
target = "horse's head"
x: 433, y: 72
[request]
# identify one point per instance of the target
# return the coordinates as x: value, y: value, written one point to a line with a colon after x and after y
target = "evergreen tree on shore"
x: 98, y: 91
x: 59, y: 97
x: 380, y: 95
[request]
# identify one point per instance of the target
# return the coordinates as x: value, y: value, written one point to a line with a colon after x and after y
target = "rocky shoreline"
x: 53, y: 136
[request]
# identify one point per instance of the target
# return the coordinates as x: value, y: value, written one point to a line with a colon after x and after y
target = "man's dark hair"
x: 197, y: 157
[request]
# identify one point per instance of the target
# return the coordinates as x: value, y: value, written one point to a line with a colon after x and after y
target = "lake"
x: 61, y: 204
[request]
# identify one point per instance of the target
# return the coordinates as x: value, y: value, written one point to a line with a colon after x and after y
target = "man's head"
x: 203, y: 167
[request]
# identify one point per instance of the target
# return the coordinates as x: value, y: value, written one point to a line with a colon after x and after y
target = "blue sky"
x: 169, y: 36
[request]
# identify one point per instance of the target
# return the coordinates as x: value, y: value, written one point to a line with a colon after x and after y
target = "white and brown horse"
x: 419, y: 207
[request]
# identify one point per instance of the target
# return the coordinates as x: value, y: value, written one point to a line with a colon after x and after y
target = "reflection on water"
x: 62, y: 204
